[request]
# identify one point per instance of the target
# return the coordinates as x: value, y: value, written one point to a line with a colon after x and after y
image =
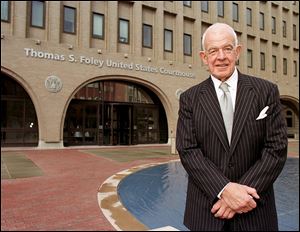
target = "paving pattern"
x: 65, y: 196
x: 58, y: 189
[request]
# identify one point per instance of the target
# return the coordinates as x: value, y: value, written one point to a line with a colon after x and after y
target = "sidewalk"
x: 57, y: 189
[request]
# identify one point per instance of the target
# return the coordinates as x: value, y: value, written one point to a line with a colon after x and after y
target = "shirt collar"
x: 231, y: 81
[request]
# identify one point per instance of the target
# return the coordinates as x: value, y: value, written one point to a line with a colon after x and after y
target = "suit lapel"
x: 210, y: 104
x: 244, y: 97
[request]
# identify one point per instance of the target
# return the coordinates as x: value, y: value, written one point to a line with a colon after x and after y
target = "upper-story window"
x: 284, y: 28
x: 295, y: 68
x: 5, y: 9
x: 98, y: 25
x: 220, y: 5
x: 273, y: 25
x: 204, y: 6
x: 294, y: 32
x: 249, y: 16
x: 285, y: 68
x: 249, y: 58
x: 187, y: 44
x: 147, y: 36
x: 274, y: 64
x: 123, y: 31
x: 262, y: 61
x: 168, y: 40
x: 235, y: 12
x: 261, y: 21
x: 187, y: 3
x: 38, y: 14
x: 69, y: 19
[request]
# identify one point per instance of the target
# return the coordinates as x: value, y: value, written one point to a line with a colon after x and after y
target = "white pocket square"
x: 262, y: 113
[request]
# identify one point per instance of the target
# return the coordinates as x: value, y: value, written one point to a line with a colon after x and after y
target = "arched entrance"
x: 115, y: 113
x: 19, y: 125
x: 291, y: 113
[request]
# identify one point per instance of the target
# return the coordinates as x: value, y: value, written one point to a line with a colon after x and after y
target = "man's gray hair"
x: 215, y: 25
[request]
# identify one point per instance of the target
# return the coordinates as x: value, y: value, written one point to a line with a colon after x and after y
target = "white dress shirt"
x: 232, y: 86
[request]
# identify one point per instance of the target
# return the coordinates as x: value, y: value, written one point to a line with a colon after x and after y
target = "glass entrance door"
x: 81, y: 124
x: 121, y: 124
x: 117, y: 124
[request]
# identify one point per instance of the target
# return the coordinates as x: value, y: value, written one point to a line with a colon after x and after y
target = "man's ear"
x: 203, y: 56
x: 238, y: 51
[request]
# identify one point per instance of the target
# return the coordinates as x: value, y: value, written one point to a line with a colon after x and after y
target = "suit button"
x: 230, y: 165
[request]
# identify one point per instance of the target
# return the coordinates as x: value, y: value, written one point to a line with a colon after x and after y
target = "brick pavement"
x: 65, y: 197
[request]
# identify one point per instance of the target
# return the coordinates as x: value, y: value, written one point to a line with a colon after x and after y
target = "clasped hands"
x: 236, y: 198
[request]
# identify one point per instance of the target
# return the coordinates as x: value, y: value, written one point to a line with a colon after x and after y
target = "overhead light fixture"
x: 149, y: 59
x: 99, y: 51
x: 126, y: 55
x: 70, y: 46
x: 37, y: 42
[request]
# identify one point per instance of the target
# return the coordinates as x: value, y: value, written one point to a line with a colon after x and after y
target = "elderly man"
x: 232, y: 141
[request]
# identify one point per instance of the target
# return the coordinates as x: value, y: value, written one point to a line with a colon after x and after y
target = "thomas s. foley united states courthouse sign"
x: 100, y: 63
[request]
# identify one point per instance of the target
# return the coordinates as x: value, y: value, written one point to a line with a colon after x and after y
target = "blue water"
x: 156, y: 195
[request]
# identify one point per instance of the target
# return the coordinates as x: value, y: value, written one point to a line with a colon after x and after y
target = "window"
x: 187, y: 3
x: 289, y: 118
x: 168, y: 40
x: 123, y: 31
x: 98, y: 26
x: 249, y: 58
x: 147, y: 36
x: 37, y: 14
x: 284, y: 66
x: 19, y: 124
x: 249, y: 17
x: 274, y: 64
x: 187, y: 44
x: 294, y: 32
x: 262, y: 61
x: 5, y: 9
x: 295, y: 68
x: 261, y: 21
x: 235, y: 12
x: 284, y: 28
x: 69, y: 20
x: 220, y: 8
x: 204, y: 6
x: 273, y: 25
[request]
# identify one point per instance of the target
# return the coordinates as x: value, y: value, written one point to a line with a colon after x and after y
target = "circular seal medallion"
x: 53, y: 84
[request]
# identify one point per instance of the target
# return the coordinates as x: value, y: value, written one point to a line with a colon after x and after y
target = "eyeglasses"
x: 227, y: 50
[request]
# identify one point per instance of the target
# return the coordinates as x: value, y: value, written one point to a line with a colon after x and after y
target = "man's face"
x: 220, y: 54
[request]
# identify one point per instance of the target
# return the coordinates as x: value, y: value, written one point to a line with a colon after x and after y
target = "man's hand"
x: 222, y: 210
x: 239, y: 197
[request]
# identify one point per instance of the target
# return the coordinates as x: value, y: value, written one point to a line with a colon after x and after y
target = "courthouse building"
x: 111, y: 72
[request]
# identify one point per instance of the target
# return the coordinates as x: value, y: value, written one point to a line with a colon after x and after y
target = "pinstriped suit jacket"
x: 255, y: 157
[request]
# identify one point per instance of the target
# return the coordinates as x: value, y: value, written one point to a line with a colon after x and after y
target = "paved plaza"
x: 58, y: 189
